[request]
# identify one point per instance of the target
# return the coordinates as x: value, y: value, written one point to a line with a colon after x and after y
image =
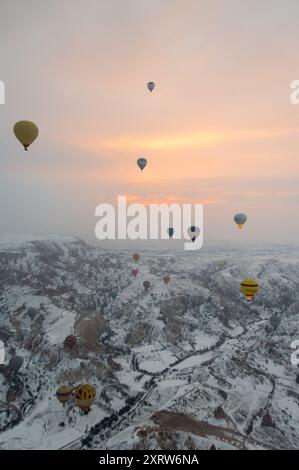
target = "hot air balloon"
x: 249, y: 287
x: 70, y: 342
x: 170, y: 232
x: 26, y: 132
x: 141, y: 162
x: 114, y: 294
x: 193, y: 232
x: 166, y: 279
x: 134, y: 272
x: 151, y: 86
x: 146, y: 285
x: 240, y: 219
x: 15, y: 363
x: 64, y: 393
x: 85, y: 395
x: 136, y: 257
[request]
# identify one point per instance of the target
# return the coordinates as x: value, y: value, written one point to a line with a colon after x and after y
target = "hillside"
x: 181, y: 366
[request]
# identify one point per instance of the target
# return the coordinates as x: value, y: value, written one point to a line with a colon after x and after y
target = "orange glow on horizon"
x: 173, y: 199
x: 94, y: 144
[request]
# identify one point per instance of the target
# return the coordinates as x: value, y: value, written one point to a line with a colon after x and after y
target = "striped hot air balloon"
x: 64, y: 393
x: 70, y: 342
x: 249, y: 287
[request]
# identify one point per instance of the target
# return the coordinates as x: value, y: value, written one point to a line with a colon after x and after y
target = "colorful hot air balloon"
x: 240, y: 219
x: 134, y: 272
x: 70, y: 342
x: 170, y: 232
x: 141, y: 162
x: 64, y: 393
x: 136, y: 257
x: 193, y: 232
x: 85, y: 395
x: 151, y: 86
x: 166, y: 279
x: 146, y: 285
x: 26, y: 132
x: 249, y: 287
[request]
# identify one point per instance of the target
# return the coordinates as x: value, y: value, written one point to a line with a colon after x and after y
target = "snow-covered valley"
x: 186, y: 365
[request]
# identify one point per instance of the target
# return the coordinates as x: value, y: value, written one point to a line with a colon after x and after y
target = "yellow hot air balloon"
x: 249, y: 287
x: 64, y: 393
x: 26, y: 132
x: 85, y: 396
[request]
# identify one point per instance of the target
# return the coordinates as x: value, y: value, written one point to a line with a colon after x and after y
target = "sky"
x: 219, y: 128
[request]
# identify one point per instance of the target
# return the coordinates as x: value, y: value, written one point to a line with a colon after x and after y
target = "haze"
x: 219, y: 128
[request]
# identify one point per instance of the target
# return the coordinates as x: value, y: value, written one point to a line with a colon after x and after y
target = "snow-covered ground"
x: 177, y: 365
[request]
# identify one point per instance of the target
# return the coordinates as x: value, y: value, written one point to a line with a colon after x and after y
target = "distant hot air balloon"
x: 166, y: 279
x: 141, y: 162
x: 151, y: 86
x: 26, y: 132
x: 136, y: 257
x: 193, y: 232
x: 146, y: 285
x: 240, y: 219
x: 170, y: 232
x: 64, y: 393
x: 114, y: 294
x: 249, y: 287
x: 15, y: 363
x: 85, y: 395
x: 70, y: 342
x: 134, y: 272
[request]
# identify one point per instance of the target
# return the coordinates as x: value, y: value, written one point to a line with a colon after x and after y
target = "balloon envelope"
x: 70, y: 341
x: 193, y: 232
x: 151, y: 86
x: 26, y: 132
x: 146, y: 284
x: 114, y: 294
x: 63, y: 393
x: 249, y: 287
x: 85, y: 396
x: 240, y: 219
x: 141, y: 162
x: 15, y: 363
